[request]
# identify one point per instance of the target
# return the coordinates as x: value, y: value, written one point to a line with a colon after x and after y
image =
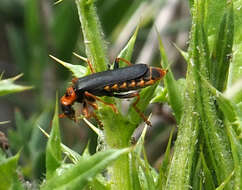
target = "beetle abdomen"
x: 152, y: 75
x: 111, y: 77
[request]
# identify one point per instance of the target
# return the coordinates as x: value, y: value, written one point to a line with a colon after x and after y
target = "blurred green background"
x: 32, y: 29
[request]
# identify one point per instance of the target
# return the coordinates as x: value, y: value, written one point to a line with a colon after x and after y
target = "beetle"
x: 119, y: 82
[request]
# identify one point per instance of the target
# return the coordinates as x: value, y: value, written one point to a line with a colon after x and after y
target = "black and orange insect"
x: 119, y: 82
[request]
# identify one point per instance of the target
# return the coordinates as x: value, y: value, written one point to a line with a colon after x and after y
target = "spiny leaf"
x: 77, y: 70
x: 7, y: 86
x: 164, y: 168
x: 228, y: 108
x: 53, y: 150
x: 8, y: 174
x: 222, y: 53
x: 79, y: 175
x: 72, y: 155
x: 127, y: 51
x: 223, y: 184
x: 236, y: 65
x: 236, y: 147
x: 160, y: 95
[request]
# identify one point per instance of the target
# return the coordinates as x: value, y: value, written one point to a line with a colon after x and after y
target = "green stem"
x: 92, y: 33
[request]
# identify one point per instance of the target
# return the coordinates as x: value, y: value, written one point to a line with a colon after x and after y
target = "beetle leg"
x: 74, y: 80
x: 93, y: 104
x: 138, y: 111
x: 97, y: 119
x: 118, y: 59
x: 90, y: 66
x: 131, y: 95
x: 88, y: 115
x: 100, y: 100
x: 85, y: 110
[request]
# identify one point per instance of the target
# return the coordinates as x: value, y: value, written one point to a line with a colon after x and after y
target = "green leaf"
x: 53, y: 150
x: 98, y: 183
x: 148, y: 174
x: 207, y: 179
x: 236, y: 147
x: 92, y: 33
x: 7, y: 86
x: 134, y: 171
x: 224, y: 183
x: 20, y: 137
x: 222, y: 53
x: 239, y: 108
x: 164, y: 168
x: 174, y: 95
x: 227, y: 107
x: 71, y: 154
x: 84, y: 171
x: 77, y: 70
x: 127, y: 51
x: 8, y: 174
x: 234, y: 92
x: 135, y: 160
x: 197, y: 178
x: 160, y: 95
x: 201, y: 120
x: 202, y: 178
x: 212, y: 15
x: 140, y: 143
x: 236, y: 66
x: 37, y: 142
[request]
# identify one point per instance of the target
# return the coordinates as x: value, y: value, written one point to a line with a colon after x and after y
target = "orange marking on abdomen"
x: 115, y: 87
x: 141, y: 83
x: 132, y: 84
x: 124, y: 85
x: 107, y: 88
x: 150, y: 82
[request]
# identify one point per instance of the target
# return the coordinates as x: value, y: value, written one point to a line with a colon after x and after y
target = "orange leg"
x: 88, y: 115
x: 97, y: 119
x: 131, y: 95
x: 100, y: 100
x: 93, y: 104
x: 118, y: 59
x: 74, y: 80
x: 138, y: 111
x: 90, y: 66
x: 86, y: 60
x: 85, y: 111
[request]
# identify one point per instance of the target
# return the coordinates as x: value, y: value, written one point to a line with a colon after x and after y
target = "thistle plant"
x: 206, y: 105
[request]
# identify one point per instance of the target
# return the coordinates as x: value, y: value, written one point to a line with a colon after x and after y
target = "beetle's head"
x: 66, y: 103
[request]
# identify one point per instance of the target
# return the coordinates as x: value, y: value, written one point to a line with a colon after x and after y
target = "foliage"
x: 208, y: 149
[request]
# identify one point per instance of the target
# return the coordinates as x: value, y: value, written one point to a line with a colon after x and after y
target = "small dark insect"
x: 114, y: 83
